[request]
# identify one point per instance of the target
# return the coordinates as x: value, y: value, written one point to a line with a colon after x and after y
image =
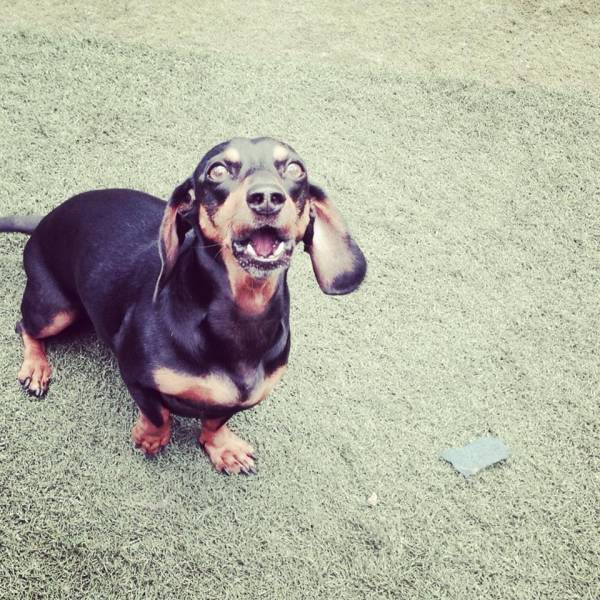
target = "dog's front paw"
x: 227, y: 452
x: 149, y: 438
x: 34, y: 375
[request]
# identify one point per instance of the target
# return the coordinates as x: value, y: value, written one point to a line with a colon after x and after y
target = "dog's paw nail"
x: 226, y: 471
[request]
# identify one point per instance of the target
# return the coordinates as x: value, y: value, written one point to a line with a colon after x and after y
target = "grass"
x: 462, y: 144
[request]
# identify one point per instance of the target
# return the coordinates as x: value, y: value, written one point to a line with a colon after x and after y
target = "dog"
x: 191, y: 295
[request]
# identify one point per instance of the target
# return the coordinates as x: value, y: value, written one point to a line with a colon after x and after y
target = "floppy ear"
x: 173, y: 228
x: 337, y: 261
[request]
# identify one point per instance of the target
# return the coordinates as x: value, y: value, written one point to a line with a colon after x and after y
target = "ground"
x: 462, y: 142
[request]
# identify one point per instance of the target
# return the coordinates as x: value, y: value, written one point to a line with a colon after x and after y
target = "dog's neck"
x: 243, y: 329
x: 203, y: 270
x: 251, y: 295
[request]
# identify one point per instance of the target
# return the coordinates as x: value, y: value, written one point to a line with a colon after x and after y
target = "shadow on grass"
x: 80, y: 342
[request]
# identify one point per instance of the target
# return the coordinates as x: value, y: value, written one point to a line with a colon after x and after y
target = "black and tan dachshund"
x: 191, y: 294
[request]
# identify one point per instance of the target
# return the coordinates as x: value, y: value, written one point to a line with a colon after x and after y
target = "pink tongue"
x: 263, y: 243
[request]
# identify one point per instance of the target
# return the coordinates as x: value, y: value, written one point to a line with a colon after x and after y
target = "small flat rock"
x: 372, y: 500
x: 480, y: 454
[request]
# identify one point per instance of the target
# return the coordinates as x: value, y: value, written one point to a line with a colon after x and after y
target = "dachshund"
x: 191, y: 295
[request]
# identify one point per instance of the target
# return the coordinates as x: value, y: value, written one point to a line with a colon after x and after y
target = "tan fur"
x: 219, y: 226
x: 287, y: 219
x: 168, y: 235
x: 329, y: 251
x: 150, y: 438
x: 216, y: 389
x: 59, y: 322
x: 227, y: 452
x: 266, y: 387
x: 232, y: 155
x: 302, y: 223
x: 280, y: 153
x: 234, y: 216
x: 36, y: 369
x: 208, y: 227
x: 250, y: 295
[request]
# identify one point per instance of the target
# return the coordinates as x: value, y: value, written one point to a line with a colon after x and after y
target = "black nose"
x: 265, y: 199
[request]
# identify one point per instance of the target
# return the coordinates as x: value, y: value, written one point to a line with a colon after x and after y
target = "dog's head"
x: 253, y: 199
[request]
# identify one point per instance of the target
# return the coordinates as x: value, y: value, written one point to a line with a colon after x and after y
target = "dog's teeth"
x: 251, y: 251
x: 279, y: 250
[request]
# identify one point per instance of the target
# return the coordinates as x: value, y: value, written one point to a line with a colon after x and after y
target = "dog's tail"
x: 20, y: 224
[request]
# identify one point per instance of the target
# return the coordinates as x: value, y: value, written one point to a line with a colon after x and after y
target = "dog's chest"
x: 244, y: 388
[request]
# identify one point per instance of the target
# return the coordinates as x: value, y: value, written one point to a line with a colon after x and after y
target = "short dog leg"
x: 149, y: 438
x: 227, y: 452
x: 34, y: 374
x: 35, y: 371
x: 152, y: 430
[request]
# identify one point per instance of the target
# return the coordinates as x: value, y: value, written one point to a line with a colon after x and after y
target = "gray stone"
x: 477, y: 455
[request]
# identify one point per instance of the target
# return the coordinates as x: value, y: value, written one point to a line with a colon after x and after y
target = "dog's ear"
x: 338, y: 262
x: 174, y: 226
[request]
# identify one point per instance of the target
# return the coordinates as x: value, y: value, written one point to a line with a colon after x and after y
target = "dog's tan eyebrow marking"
x: 280, y: 153
x: 232, y: 155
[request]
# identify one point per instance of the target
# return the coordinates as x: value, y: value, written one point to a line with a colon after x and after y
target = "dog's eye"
x: 294, y: 170
x: 218, y: 173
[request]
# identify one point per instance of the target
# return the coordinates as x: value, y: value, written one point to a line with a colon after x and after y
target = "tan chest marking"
x: 264, y: 388
x: 213, y: 389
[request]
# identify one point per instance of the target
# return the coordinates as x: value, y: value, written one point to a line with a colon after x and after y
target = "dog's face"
x: 252, y: 198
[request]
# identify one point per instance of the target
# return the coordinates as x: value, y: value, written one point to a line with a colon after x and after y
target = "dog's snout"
x: 265, y: 199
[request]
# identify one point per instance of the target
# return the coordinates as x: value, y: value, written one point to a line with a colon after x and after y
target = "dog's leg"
x: 44, y: 314
x: 227, y: 452
x: 152, y: 430
x: 148, y: 437
x: 47, y: 310
x: 34, y: 374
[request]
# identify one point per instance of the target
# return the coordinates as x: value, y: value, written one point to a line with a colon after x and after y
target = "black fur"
x: 20, y: 224
x: 99, y: 253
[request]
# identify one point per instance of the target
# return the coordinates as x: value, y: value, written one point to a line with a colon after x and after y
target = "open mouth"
x: 262, y: 250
